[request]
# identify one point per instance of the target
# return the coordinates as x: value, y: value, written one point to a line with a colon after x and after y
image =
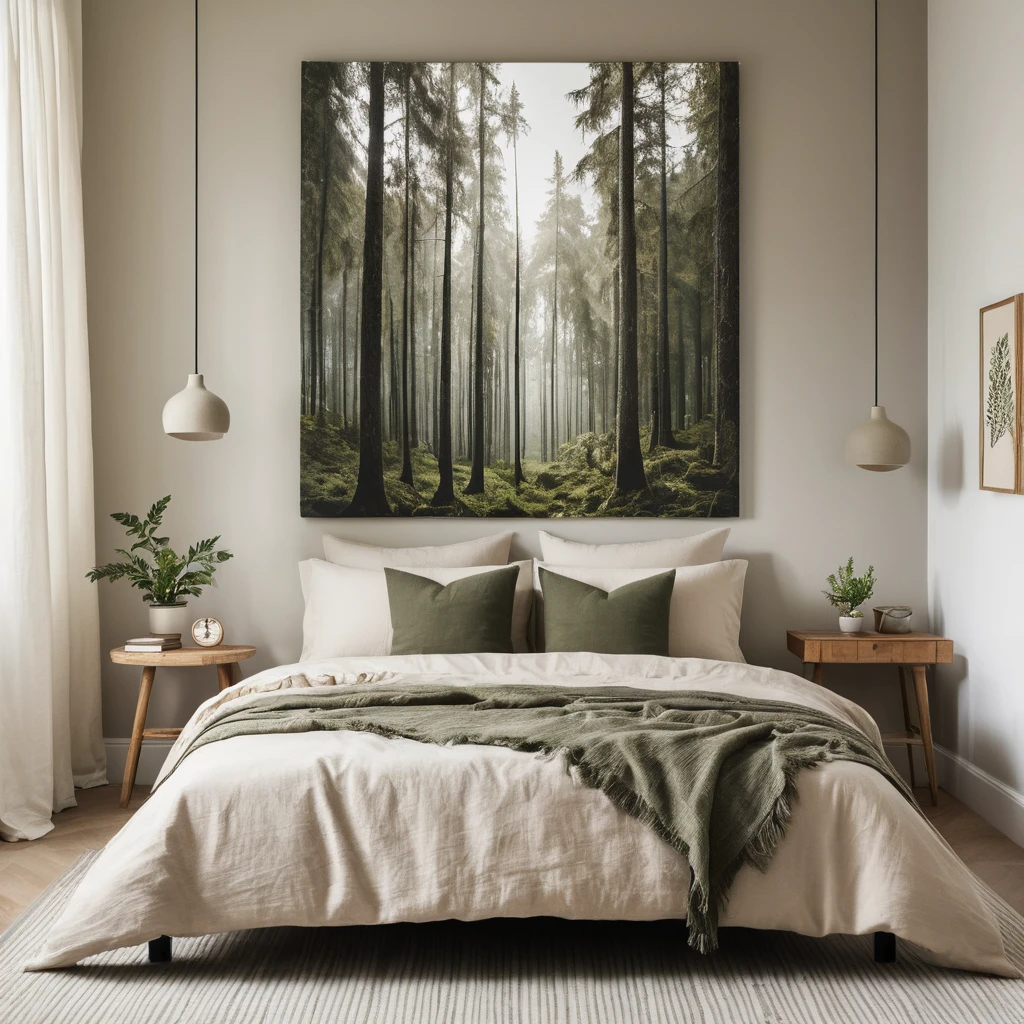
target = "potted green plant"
x: 847, y: 592
x: 164, y: 576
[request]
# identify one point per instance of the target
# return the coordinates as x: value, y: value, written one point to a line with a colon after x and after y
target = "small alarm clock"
x: 207, y: 632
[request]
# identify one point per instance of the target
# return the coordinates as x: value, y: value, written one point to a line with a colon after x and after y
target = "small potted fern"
x: 847, y: 592
x: 165, y: 577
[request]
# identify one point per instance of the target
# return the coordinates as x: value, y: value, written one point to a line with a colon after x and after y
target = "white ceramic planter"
x: 851, y: 623
x: 169, y: 618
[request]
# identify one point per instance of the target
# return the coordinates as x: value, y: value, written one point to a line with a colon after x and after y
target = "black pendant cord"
x: 197, y: 188
x: 876, y: 201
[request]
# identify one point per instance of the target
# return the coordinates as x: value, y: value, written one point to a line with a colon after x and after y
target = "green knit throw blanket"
x: 712, y: 774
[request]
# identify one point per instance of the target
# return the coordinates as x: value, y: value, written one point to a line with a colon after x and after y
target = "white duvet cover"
x: 338, y: 828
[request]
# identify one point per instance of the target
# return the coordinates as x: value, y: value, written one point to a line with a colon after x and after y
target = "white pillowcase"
x: 348, y: 614
x: 484, y: 551
x: 704, y: 617
x: 642, y: 554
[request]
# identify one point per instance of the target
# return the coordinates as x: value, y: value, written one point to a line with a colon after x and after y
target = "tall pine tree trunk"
x: 445, y: 494
x: 435, y: 337
x: 566, y: 421
x: 652, y: 374
x: 617, y: 327
x: 459, y: 425
x: 727, y: 285
x: 518, y: 471
x: 357, y: 347
x: 461, y: 447
x: 591, y: 409
x: 681, y: 356
x: 322, y: 341
x: 391, y: 388
x: 491, y: 381
x: 414, y: 438
x: 554, y: 337
x: 647, y: 347
x: 605, y: 383
x: 507, y: 433
x: 698, y: 350
x: 469, y: 379
x: 629, y: 468
x: 370, y: 498
x: 476, y: 477
x: 579, y: 387
x: 665, y: 437
x: 337, y: 369
x: 307, y: 349
x: 553, y: 403
x: 525, y: 407
x: 543, y: 411
x: 316, y: 320
x: 406, y: 475
x: 344, y: 347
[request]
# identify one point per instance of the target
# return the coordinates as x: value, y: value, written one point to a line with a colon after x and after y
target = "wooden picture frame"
x: 1000, y: 420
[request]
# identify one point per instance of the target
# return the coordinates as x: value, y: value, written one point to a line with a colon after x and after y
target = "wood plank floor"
x: 26, y: 869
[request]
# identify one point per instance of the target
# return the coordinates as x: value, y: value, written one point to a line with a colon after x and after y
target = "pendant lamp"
x: 878, y: 444
x: 196, y: 414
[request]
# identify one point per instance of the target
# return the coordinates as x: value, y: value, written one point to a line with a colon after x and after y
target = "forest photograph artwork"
x: 520, y: 289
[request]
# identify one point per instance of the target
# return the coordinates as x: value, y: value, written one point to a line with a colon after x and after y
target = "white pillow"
x: 484, y: 551
x: 641, y: 554
x: 348, y: 615
x: 704, y: 618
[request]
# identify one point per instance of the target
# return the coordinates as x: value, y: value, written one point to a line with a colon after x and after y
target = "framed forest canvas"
x: 520, y: 289
x: 1001, y: 421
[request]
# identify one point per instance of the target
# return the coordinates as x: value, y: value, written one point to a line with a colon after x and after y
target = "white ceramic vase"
x: 851, y: 623
x: 169, y: 618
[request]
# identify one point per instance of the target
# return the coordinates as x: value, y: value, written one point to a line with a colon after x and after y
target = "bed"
x: 342, y: 828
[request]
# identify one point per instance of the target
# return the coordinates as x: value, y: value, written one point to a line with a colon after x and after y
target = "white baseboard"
x: 151, y: 757
x: 997, y: 803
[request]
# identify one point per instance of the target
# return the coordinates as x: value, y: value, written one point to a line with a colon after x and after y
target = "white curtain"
x: 50, y: 729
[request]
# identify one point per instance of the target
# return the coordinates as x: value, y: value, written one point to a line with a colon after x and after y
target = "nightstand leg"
x: 132, y: 764
x: 906, y: 722
x: 921, y: 688
x: 819, y: 671
x: 224, y: 679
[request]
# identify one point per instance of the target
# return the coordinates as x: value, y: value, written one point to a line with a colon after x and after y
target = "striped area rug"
x: 521, y: 972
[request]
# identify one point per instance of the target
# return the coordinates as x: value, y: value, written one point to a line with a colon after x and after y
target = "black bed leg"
x: 160, y: 950
x: 885, y: 948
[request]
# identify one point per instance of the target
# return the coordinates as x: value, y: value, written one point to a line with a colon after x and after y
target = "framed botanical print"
x: 1000, y: 441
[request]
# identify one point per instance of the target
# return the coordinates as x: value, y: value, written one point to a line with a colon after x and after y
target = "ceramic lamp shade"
x: 195, y: 414
x: 878, y: 444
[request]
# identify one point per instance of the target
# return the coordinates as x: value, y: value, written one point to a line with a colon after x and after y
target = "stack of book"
x: 154, y: 643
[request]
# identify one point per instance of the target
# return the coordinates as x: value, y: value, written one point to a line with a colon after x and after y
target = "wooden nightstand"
x: 224, y: 657
x: 910, y: 652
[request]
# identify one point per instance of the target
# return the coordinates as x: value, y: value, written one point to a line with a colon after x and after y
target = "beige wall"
x: 805, y: 285
x: 976, y: 538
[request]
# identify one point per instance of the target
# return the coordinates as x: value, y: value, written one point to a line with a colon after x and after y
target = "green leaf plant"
x: 847, y: 591
x: 999, y: 408
x: 165, y: 577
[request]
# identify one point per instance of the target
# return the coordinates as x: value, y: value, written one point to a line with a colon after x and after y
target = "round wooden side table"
x: 224, y: 657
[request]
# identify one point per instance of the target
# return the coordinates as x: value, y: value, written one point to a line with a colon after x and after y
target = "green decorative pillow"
x: 632, y: 619
x: 468, y: 616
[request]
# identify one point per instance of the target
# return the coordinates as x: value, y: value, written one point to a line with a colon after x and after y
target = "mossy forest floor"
x: 682, y: 481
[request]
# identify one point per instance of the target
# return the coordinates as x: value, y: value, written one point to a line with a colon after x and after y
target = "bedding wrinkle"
x: 356, y: 844
x: 476, y: 832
